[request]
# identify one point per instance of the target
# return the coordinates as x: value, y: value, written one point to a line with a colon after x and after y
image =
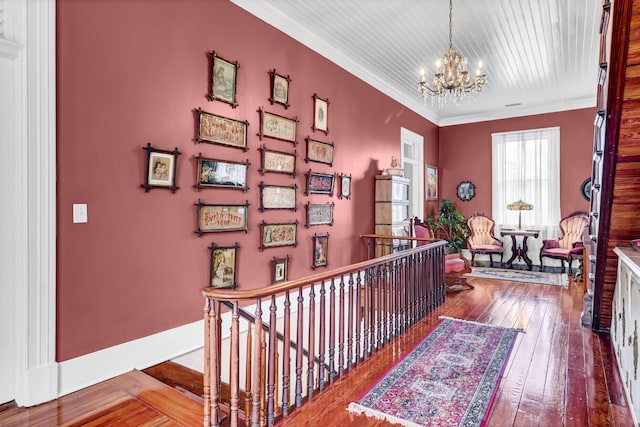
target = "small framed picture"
x: 224, y: 79
x: 280, y: 269
x: 221, y: 174
x: 431, y: 178
x: 221, y: 130
x: 277, y: 197
x: 319, y: 214
x: 278, y: 161
x: 160, y: 170
x: 345, y: 187
x: 320, y: 183
x: 320, y: 114
x: 277, y: 127
x: 223, y: 266
x: 218, y: 218
x: 320, y: 250
x: 279, y: 89
x: 466, y: 191
x: 278, y: 234
x: 318, y: 151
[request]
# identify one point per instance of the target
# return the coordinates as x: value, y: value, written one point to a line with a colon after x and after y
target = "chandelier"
x: 451, y: 74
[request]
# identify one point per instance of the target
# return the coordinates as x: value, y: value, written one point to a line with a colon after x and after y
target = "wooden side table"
x: 519, y: 251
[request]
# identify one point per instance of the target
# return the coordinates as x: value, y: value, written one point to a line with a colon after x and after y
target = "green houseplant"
x: 450, y: 225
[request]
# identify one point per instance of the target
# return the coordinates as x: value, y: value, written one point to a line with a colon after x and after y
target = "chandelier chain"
x: 450, y: 24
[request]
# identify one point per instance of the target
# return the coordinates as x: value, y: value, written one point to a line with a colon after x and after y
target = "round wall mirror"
x: 466, y: 191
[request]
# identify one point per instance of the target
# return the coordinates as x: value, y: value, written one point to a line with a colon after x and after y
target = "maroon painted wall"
x: 131, y: 72
x: 465, y: 155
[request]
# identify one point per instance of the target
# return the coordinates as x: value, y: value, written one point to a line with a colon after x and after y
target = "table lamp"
x: 520, y: 206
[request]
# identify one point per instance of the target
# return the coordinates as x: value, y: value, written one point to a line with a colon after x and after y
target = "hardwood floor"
x: 559, y: 373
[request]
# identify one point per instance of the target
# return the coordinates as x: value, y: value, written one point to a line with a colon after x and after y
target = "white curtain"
x: 526, y: 166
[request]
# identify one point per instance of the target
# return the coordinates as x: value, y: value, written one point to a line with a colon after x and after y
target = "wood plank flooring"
x: 559, y: 373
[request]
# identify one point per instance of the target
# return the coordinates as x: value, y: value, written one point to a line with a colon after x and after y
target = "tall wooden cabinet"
x: 392, y: 210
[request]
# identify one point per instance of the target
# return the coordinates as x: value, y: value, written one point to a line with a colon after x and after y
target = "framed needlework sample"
x: 221, y: 174
x: 318, y: 151
x: 223, y: 266
x: 279, y: 89
x: 320, y: 114
x: 278, y: 161
x: 277, y: 197
x: 278, y: 234
x: 345, y: 186
x: 221, y: 217
x: 320, y: 183
x: 221, y: 130
x: 280, y: 269
x: 160, y: 169
x: 320, y: 250
x: 277, y: 127
x: 224, y: 79
x: 319, y: 214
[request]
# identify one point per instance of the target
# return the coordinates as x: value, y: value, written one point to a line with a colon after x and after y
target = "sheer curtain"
x: 526, y: 166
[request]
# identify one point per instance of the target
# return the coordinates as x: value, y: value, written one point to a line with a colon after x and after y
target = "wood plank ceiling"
x: 539, y: 55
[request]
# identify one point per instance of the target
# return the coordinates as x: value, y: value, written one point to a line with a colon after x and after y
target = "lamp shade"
x: 520, y: 206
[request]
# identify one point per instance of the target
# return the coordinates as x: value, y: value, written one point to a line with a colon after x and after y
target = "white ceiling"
x: 541, y: 55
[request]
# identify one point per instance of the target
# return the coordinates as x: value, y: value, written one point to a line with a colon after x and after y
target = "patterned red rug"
x: 449, y: 379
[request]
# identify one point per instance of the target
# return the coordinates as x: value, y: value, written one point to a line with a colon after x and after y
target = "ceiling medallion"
x: 452, y: 76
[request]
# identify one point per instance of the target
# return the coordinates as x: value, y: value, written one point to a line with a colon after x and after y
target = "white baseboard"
x: 90, y: 369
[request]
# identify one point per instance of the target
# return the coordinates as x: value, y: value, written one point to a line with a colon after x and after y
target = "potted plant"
x: 450, y: 225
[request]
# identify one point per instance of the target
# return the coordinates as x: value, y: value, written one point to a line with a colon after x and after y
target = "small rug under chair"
x: 541, y: 277
x: 449, y: 379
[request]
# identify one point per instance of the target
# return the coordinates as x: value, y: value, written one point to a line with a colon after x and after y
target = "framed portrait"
x: 466, y: 191
x: 160, y: 170
x: 280, y: 269
x: 320, y: 250
x: 223, y: 266
x: 345, y: 187
x: 221, y: 130
x: 278, y: 161
x: 217, y: 218
x: 318, y: 151
x: 319, y: 214
x: 224, y: 80
x: 277, y: 127
x: 279, y: 89
x: 431, y: 184
x: 277, y: 197
x: 221, y: 174
x: 320, y: 114
x: 278, y: 234
x: 320, y: 183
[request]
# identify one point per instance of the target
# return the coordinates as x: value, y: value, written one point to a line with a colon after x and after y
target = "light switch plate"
x: 80, y: 213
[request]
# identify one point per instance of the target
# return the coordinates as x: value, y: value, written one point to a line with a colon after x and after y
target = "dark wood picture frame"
x: 224, y: 80
x: 345, y: 186
x: 320, y: 114
x: 215, y: 173
x: 280, y: 269
x: 160, y: 169
x: 278, y: 197
x: 319, y: 151
x: 219, y: 217
x: 278, y: 234
x: 320, y: 183
x: 273, y: 161
x: 319, y: 214
x: 224, y: 266
x: 320, y: 250
x: 277, y: 127
x: 279, y: 89
x: 215, y: 129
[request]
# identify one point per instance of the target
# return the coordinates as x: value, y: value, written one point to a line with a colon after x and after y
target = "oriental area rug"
x: 541, y: 277
x: 449, y: 379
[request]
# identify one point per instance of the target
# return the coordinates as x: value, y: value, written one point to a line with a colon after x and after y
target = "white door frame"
x: 417, y: 180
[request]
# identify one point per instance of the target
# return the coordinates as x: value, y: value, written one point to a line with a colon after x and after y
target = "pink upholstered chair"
x: 481, y: 239
x: 569, y: 246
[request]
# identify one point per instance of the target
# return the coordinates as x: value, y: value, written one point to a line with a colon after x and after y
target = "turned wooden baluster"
x: 286, y: 359
x: 272, y: 362
x: 234, y: 372
x: 341, y: 330
x: 247, y: 379
x: 312, y: 341
x: 321, y: 340
x: 386, y: 306
x: 379, y: 307
x: 332, y: 330
x: 351, y: 303
x: 263, y: 382
x: 210, y: 359
x: 361, y: 290
x: 299, y: 349
x: 255, y: 371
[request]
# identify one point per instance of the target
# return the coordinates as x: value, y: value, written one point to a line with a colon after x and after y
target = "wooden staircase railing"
x: 319, y: 327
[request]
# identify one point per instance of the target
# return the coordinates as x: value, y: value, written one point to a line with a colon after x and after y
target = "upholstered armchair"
x: 481, y: 239
x: 569, y: 246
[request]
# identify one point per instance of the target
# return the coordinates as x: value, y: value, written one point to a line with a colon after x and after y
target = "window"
x: 411, y: 154
x: 526, y: 166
